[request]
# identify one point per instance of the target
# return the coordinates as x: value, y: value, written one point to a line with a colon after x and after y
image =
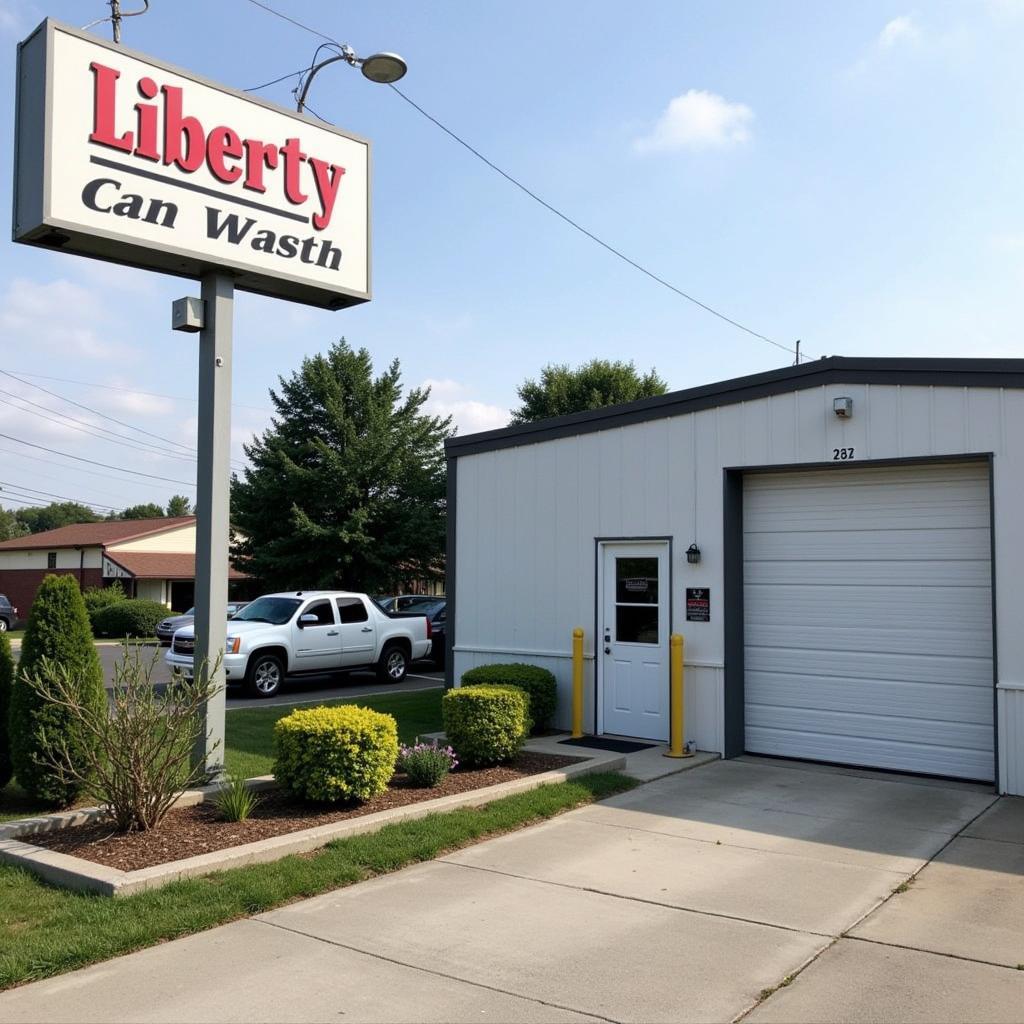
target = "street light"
x: 383, y: 68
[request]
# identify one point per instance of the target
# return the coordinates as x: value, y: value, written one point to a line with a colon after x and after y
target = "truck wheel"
x: 264, y: 675
x: 3, y: 625
x: 393, y: 664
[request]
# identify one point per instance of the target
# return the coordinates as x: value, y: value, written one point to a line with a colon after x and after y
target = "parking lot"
x: 297, y: 689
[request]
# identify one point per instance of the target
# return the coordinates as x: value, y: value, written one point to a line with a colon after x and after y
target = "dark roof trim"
x: 979, y: 373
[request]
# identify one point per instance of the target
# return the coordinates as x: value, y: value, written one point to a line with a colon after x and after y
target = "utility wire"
x: 78, y: 405
x: 67, y: 469
x: 91, y: 462
x: 135, y: 391
x: 4, y: 484
x: 90, y: 430
x: 544, y: 203
x: 283, y: 78
x: 96, y: 412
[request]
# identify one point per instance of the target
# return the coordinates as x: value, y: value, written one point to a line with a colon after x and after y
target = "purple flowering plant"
x: 426, y: 764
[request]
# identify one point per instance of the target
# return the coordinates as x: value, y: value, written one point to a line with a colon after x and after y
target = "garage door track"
x: 745, y: 889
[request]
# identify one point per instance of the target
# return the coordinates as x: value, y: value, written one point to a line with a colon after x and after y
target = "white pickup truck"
x: 313, y: 631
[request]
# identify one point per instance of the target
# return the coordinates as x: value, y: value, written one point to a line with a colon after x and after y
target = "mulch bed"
x: 191, y: 831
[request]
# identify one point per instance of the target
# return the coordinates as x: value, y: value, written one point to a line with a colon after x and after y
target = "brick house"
x: 152, y: 558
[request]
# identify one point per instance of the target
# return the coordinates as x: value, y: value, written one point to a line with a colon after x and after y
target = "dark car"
x: 434, y: 608
x: 8, y: 614
x: 166, y: 628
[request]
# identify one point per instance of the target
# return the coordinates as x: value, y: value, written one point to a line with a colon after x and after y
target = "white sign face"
x: 124, y: 158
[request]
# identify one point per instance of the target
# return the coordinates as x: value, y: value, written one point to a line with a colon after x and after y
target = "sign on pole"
x: 125, y: 158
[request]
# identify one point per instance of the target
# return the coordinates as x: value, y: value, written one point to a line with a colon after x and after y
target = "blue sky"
x: 847, y: 174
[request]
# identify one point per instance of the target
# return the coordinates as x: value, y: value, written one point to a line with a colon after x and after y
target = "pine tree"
x: 58, y: 629
x: 6, y: 682
x: 347, y: 485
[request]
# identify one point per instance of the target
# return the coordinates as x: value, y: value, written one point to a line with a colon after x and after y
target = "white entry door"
x: 633, y: 641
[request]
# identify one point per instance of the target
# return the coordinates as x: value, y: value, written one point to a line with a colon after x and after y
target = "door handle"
x: 366, y: 629
x: 607, y: 650
x: 333, y: 632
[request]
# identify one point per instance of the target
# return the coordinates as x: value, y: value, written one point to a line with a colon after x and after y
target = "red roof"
x: 154, y: 565
x: 86, y: 535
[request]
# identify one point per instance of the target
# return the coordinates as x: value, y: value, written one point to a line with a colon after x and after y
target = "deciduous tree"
x: 562, y: 390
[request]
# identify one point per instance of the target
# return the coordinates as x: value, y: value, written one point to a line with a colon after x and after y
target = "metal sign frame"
x: 33, y: 223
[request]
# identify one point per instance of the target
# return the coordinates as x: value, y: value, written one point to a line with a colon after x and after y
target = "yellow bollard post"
x: 677, y: 714
x: 577, y: 683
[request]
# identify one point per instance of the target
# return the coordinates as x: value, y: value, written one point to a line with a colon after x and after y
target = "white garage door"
x: 868, y: 617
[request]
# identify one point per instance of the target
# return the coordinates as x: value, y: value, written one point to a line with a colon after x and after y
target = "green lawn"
x: 250, y: 748
x: 46, y: 931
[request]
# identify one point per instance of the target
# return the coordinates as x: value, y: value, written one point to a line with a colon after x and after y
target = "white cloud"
x: 899, y: 31
x: 59, y: 316
x: 698, y: 120
x: 449, y: 398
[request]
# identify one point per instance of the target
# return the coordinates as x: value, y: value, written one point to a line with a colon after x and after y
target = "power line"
x: 283, y: 78
x: 96, y: 412
x: 71, y: 425
x: 39, y: 495
x: 136, y: 391
x: 67, y: 469
x: 548, y: 206
x: 91, y: 462
x: 78, y: 405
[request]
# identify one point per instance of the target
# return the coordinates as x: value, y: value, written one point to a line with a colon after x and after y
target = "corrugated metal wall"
x: 528, y: 517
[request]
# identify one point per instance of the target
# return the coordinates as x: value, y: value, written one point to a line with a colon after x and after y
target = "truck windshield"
x: 275, y: 610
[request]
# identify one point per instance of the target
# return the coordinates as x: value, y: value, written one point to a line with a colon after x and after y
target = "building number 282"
x: 842, y: 454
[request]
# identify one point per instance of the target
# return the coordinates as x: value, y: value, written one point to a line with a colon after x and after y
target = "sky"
x: 844, y: 174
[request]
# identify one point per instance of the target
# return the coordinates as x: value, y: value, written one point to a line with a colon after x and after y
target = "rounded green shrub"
x: 6, y: 683
x: 133, y: 618
x: 97, y: 598
x: 538, y: 683
x: 58, y: 631
x: 485, y: 724
x: 330, y: 754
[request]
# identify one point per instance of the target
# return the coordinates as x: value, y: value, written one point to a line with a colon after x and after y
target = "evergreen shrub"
x: 332, y: 754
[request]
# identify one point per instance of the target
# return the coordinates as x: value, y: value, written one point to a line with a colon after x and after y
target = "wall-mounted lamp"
x: 693, y: 554
x: 843, y: 407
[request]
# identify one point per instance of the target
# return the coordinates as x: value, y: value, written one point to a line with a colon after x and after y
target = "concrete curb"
x: 75, y: 873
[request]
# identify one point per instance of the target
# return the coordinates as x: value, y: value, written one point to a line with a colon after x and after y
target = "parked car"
x: 8, y: 614
x: 434, y: 608
x: 406, y: 602
x: 166, y: 628
x: 311, y: 632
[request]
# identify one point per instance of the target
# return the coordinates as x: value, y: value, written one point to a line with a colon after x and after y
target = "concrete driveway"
x: 691, y: 898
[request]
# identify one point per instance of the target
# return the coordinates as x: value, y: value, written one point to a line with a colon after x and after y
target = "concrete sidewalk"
x: 688, y: 898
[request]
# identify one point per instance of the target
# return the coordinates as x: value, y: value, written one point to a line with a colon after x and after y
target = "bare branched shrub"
x: 140, y: 760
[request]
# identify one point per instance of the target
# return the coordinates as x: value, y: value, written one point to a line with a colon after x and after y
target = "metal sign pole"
x: 212, y: 509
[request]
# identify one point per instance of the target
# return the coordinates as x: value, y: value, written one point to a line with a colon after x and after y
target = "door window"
x: 352, y: 609
x: 636, y: 600
x: 322, y: 610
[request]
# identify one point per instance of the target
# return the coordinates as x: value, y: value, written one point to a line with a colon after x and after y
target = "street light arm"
x: 346, y: 55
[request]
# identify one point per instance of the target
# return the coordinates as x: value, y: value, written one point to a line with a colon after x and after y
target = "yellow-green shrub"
x: 342, y: 753
x: 486, y: 724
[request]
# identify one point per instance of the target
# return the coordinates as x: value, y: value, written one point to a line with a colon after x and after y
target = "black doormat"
x: 604, y: 743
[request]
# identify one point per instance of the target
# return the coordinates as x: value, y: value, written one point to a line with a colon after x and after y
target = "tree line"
x: 346, y: 488
x: 22, y: 521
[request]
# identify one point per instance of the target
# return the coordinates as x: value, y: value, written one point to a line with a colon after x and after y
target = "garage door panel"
x: 852, y: 572
x: 865, y: 697
x: 868, y: 617
x: 904, y: 757
x: 855, y: 544
x: 868, y: 665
